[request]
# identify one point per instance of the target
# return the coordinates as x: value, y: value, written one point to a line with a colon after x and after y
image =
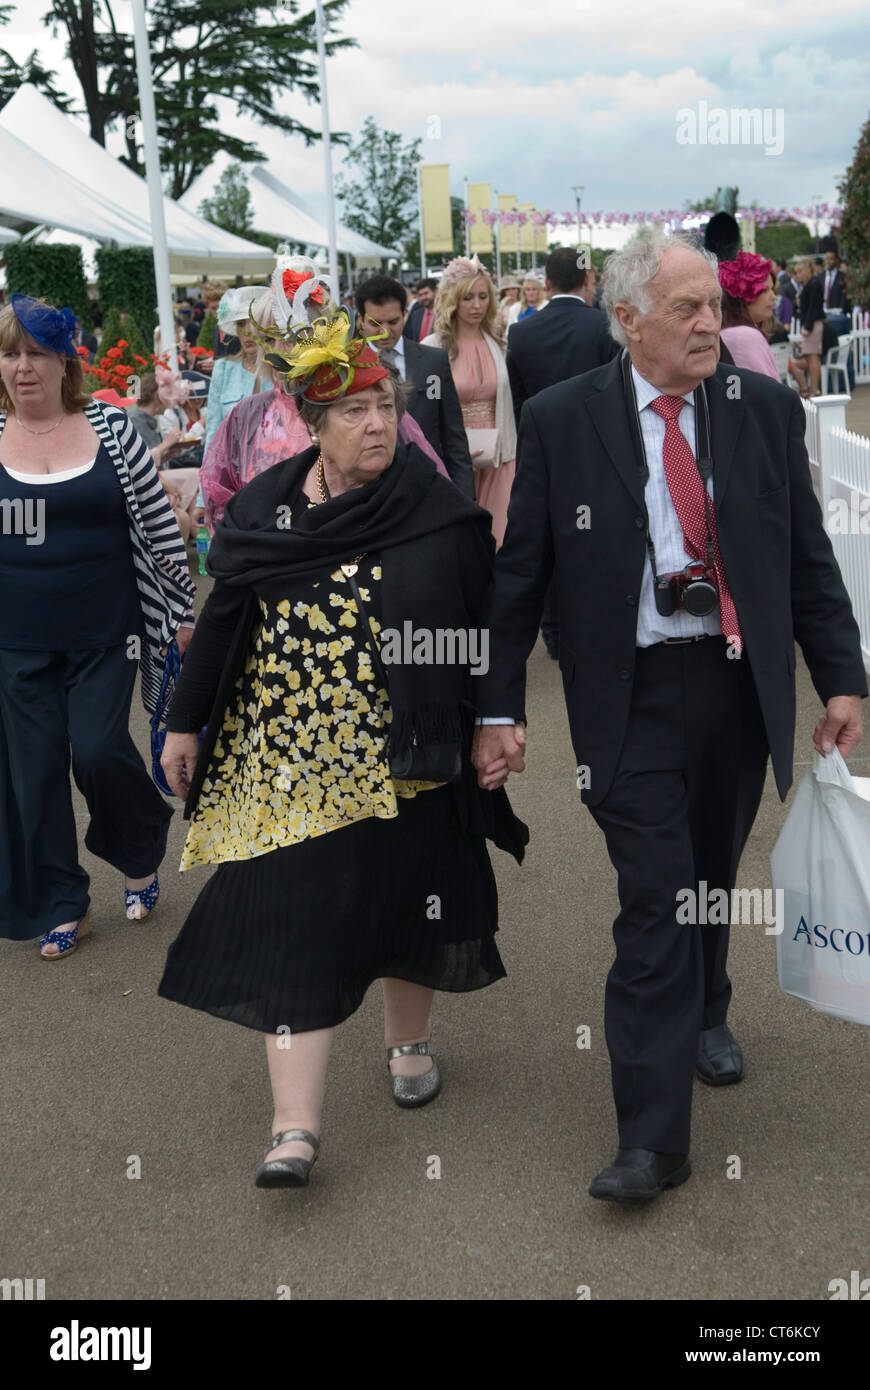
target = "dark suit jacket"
x: 837, y: 297
x: 565, y: 339
x: 575, y: 450
x: 811, y: 303
x: 413, y: 322
x: 434, y: 404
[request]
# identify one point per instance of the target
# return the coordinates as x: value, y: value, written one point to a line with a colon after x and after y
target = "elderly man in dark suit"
x: 434, y: 404
x: 674, y: 699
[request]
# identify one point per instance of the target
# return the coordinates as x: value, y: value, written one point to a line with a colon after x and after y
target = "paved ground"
x: 858, y: 411
x: 97, y: 1069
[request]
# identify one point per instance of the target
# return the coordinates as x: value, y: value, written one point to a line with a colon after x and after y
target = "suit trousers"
x: 680, y: 808
x: 51, y: 703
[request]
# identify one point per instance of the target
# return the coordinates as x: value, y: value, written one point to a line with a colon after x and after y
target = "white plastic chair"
x: 836, y: 359
x: 781, y: 352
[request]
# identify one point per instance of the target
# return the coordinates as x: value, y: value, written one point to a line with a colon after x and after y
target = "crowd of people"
x: 375, y: 467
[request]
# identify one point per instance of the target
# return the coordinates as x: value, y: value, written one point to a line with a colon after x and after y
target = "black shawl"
x: 436, y: 550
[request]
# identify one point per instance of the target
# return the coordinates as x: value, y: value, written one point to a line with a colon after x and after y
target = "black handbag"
x: 416, y: 762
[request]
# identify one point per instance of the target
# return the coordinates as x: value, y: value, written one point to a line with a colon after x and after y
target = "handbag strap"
x: 370, y: 637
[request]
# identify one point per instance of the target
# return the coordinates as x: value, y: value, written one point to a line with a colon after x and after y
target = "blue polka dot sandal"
x: 65, y: 941
x: 141, y: 902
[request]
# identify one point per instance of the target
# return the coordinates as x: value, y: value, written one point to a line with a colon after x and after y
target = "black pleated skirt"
x: 293, y: 938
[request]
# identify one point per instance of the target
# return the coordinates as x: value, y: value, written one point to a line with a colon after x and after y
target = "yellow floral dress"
x: 302, y: 748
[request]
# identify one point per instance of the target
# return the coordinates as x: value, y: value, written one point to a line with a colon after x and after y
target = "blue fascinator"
x: 51, y: 328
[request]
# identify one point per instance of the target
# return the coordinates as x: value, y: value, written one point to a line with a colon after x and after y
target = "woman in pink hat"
x: 747, y: 302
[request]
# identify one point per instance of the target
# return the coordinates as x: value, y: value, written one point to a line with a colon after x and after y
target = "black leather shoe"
x: 639, y: 1175
x: 720, y: 1061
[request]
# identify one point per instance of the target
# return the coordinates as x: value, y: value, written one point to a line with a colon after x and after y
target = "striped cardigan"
x: 166, y: 591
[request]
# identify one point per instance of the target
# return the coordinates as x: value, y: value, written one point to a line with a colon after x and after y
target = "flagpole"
x: 151, y: 151
x: 327, y: 149
x: 467, y: 224
x: 497, y: 244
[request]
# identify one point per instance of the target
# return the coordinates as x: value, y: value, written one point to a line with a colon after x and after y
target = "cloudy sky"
x: 540, y: 97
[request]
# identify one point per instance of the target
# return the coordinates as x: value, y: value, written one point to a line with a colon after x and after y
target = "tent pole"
x: 327, y: 148
x: 155, y: 190
x: 348, y: 269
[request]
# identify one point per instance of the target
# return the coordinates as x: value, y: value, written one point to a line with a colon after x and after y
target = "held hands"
x: 498, y: 750
x: 840, y: 725
x: 178, y: 760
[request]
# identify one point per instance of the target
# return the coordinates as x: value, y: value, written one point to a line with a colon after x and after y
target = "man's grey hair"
x: 628, y: 272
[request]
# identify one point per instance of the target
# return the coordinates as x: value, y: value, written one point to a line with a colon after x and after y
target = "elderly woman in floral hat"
x: 334, y: 789
x: 266, y: 427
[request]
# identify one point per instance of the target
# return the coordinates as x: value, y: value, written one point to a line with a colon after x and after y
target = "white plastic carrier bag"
x: 821, y: 862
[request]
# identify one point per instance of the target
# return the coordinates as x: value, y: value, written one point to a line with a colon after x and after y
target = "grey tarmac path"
x: 97, y: 1069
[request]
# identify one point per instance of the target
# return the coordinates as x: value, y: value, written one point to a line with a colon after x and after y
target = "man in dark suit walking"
x: 434, y: 404
x: 675, y: 699
x: 421, y: 314
x: 566, y: 338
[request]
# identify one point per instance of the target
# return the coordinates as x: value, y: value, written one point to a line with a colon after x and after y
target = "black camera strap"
x: 703, y: 454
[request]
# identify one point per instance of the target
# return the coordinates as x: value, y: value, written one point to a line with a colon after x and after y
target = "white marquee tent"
x: 54, y: 173
x: 280, y: 212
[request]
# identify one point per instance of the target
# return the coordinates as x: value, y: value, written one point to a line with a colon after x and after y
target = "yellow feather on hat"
x: 325, y: 341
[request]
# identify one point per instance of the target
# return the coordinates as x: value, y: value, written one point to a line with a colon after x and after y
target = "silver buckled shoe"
x: 287, y: 1172
x: 415, y: 1090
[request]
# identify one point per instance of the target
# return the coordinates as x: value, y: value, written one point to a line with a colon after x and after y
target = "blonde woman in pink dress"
x: 467, y: 327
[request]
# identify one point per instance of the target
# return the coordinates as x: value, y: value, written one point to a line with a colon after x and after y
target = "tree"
x: 781, y: 240
x: 230, y: 207
x: 854, y: 190
x: 381, y: 201
x: 13, y: 74
x: 723, y: 200
x: 243, y: 51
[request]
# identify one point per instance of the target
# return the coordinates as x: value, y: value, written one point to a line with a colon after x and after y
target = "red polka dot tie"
x: 687, y: 495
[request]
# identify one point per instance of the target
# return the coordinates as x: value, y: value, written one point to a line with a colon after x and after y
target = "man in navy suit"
x: 566, y: 338
x: 421, y: 315
x: 434, y: 404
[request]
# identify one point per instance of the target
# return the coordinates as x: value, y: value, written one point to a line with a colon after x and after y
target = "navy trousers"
x: 681, y: 806
x: 57, y: 709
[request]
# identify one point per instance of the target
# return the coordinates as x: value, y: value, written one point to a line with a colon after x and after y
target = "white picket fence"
x: 859, y: 348
x: 840, y: 468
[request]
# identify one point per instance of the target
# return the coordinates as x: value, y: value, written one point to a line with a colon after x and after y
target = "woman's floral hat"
x: 320, y: 358
x: 746, y: 277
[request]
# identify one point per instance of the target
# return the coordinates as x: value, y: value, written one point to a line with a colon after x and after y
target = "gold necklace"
x: 349, y: 569
x: 37, y: 432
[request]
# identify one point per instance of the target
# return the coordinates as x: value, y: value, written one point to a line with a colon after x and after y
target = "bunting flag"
x: 480, y: 231
x: 437, y: 220
x: 508, y: 216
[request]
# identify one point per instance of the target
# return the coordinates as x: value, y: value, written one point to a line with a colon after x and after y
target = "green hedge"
x: 126, y: 281
x: 55, y: 273
x: 115, y: 329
